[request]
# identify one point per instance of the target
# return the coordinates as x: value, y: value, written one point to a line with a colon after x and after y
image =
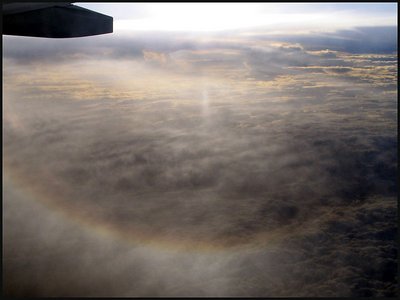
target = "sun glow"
x: 231, y: 16
x: 195, y: 17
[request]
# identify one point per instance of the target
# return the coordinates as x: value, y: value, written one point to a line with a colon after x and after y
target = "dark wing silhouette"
x: 53, y: 20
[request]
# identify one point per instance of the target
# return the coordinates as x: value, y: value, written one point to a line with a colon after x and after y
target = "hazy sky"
x: 224, y: 16
x: 251, y: 152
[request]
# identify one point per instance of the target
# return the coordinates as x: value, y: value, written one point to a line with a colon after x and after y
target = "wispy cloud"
x: 227, y: 165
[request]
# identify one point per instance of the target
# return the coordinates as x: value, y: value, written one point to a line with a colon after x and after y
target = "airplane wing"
x: 53, y: 20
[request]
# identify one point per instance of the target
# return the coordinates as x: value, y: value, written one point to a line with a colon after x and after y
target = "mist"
x: 199, y: 167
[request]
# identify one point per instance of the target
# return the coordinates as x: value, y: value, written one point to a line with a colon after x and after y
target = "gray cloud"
x: 359, y: 40
x: 282, y: 158
x: 378, y: 40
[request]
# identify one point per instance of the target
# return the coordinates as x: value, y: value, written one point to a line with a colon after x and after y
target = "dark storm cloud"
x: 288, y: 151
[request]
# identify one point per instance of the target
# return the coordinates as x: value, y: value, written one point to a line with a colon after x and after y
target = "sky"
x: 226, y: 16
x: 204, y: 150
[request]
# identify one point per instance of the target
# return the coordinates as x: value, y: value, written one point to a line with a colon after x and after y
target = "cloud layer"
x: 278, y: 156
